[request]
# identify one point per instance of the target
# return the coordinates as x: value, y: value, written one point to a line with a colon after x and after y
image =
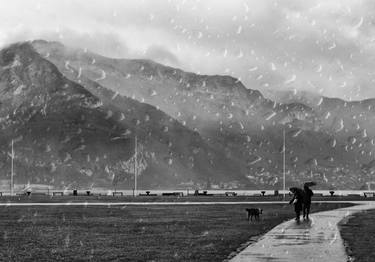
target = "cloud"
x: 104, y: 43
x: 327, y: 44
x: 162, y: 55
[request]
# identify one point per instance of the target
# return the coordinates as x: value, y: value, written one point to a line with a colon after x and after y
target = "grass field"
x: 97, y: 198
x: 358, y: 233
x: 133, y: 233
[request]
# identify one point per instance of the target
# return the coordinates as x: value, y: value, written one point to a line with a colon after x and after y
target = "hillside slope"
x: 326, y: 142
x: 70, y: 135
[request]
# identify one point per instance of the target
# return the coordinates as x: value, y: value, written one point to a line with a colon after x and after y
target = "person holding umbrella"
x: 297, y: 200
x: 307, y: 194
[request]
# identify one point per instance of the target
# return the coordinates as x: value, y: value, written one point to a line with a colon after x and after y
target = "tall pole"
x: 284, y: 149
x: 12, y: 170
x: 135, y: 167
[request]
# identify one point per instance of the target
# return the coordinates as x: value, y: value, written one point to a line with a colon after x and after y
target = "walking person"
x: 297, y: 200
x: 307, y: 194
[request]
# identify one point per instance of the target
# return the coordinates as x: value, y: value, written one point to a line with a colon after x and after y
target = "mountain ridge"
x: 167, y: 161
x: 328, y: 141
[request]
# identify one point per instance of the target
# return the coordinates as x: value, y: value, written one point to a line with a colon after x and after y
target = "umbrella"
x: 310, y: 183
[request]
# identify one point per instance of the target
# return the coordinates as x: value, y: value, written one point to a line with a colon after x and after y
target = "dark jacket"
x: 298, y: 196
x: 307, y: 194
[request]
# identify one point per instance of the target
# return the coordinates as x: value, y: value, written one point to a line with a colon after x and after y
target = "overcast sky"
x: 325, y: 46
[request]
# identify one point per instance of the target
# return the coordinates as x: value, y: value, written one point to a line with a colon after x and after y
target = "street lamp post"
x: 284, y: 149
x: 12, y: 172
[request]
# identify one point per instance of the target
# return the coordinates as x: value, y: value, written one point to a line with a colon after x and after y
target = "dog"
x: 253, y: 212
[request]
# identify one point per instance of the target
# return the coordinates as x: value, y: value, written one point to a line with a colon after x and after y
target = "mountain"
x: 292, y: 96
x: 327, y: 140
x: 79, y: 134
x: 53, y: 121
x: 74, y: 116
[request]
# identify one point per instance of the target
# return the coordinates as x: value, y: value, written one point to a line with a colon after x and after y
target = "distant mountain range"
x: 74, y: 116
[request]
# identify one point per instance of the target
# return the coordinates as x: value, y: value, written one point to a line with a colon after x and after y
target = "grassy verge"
x: 358, y: 233
x: 133, y: 233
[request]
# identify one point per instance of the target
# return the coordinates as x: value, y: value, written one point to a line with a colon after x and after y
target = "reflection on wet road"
x: 317, y: 239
